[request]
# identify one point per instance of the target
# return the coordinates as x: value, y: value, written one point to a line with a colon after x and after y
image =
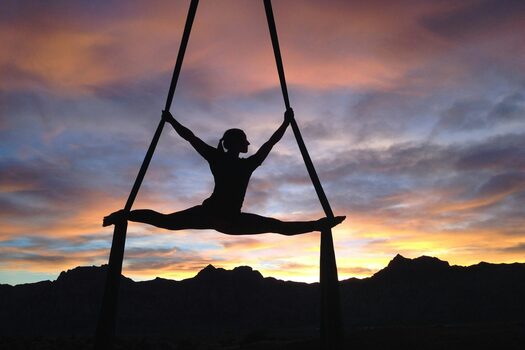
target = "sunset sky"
x: 413, y: 113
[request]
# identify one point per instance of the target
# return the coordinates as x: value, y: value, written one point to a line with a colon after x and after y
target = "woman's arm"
x: 200, y: 146
x: 265, y: 149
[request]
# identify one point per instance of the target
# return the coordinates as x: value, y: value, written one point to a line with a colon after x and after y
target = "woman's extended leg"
x: 251, y: 224
x: 192, y: 218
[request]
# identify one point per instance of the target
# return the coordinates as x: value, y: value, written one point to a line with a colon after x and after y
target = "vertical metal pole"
x: 331, y: 321
x: 107, y: 320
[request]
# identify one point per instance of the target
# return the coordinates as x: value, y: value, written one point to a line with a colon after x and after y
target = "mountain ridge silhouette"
x: 420, y: 291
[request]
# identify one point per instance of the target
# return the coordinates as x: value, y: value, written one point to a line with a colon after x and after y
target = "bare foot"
x: 327, y: 223
x: 113, y: 218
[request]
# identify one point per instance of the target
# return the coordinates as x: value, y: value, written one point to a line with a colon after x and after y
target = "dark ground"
x: 503, y: 336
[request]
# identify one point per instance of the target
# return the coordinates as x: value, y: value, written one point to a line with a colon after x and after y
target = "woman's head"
x: 234, y: 140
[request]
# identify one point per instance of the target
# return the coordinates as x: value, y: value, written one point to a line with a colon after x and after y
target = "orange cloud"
x: 324, y: 46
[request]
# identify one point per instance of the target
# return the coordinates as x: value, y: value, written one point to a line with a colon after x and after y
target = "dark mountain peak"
x: 242, y: 273
x: 82, y: 273
x: 398, y: 260
x: 431, y: 262
x: 158, y: 282
x: 423, y: 266
x: 82, y: 276
x: 209, y: 271
x: 210, y: 267
x: 247, y: 272
x: 243, y: 269
x: 424, y: 261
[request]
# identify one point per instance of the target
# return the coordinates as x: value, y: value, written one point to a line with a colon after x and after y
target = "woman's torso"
x: 231, y: 175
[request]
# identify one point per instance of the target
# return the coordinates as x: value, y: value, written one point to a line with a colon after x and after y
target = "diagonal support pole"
x: 107, y: 319
x: 331, y: 322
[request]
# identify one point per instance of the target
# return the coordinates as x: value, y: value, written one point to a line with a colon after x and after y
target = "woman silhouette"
x: 222, y: 210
